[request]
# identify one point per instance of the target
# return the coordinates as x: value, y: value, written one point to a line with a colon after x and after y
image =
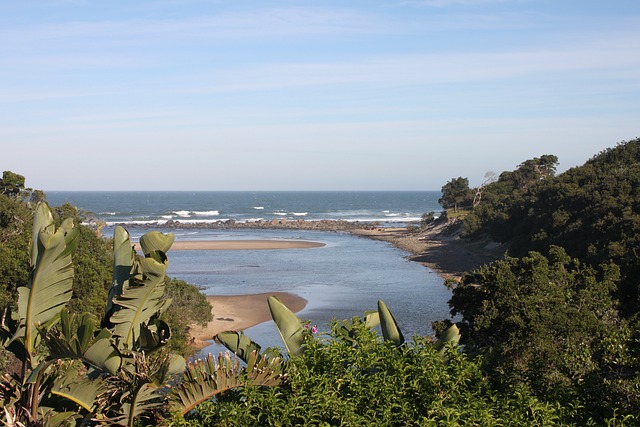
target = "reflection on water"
x: 340, y: 280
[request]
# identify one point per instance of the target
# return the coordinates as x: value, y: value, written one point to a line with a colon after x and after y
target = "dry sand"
x: 238, y: 312
x: 439, y: 247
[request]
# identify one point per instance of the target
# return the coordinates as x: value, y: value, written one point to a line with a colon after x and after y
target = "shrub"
x: 365, y: 381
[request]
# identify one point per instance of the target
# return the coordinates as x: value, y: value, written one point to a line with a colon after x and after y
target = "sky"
x: 309, y: 95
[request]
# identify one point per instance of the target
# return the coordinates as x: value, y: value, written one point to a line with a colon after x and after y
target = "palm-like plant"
x: 76, y: 369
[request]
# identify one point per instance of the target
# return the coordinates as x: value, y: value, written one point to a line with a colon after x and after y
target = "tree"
x: 550, y: 324
x: 489, y: 177
x: 455, y: 193
x: 11, y: 184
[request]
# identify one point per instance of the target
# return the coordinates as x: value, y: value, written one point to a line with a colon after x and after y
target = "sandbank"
x: 238, y: 312
x: 236, y: 245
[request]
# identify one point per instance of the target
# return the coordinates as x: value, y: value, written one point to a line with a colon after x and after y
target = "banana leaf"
x: 289, y: 326
x: 73, y: 339
x: 154, y: 335
x: 371, y: 319
x: 123, y: 258
x: 142, y: 300
x: 50, y: 278
x: 389, y: 326
x: 155, y: 241
x: 80, y: 390
x: 204, y: 379
x: 451, y: 335
x: 240, y: 344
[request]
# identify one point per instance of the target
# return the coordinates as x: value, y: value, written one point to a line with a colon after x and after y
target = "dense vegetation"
x: 560, y: 315
x: 359, y: 380
x: 93, y: 262
x: 81, y: 369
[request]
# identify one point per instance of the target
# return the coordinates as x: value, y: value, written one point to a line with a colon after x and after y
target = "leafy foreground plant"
x: 293, y: 331
x: 76, y: 370
x: 350, y: 377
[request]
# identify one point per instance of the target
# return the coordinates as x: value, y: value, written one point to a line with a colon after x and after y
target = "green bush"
x: 366, y: 381
x: 188, y: 307
x: 427, y: 218
x: 550, y: 324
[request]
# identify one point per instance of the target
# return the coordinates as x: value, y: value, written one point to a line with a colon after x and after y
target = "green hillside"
x: 560, y: 314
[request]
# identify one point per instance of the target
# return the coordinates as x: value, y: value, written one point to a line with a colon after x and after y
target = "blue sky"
x: 309, y: 95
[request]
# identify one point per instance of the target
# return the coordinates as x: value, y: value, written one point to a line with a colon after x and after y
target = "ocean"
x: 340, y: 280
x: 156, y: 208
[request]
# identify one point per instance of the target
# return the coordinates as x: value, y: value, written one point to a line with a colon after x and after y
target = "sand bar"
x: 238, y: 312
x: 236, y: 245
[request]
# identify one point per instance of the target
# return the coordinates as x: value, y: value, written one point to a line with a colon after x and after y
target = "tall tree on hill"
x: 11, y: 184
x: 455, y: 193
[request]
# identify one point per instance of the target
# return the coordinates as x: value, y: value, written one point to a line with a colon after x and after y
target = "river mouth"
x: 339, y: 280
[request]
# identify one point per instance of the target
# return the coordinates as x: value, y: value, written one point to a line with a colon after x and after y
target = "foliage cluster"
x: 551, y: 325
x: 93, y: 262
x: 79, y: 370
x: 357, y: 379
x: 560, y: 315
x: 456, y: 193
x: 188, y: 307
x: 592, y: 211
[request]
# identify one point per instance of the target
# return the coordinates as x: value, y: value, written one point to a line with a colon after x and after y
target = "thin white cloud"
x: 65, y: 61
x: 255, y: 23
x: 449, y: 3
x: 606, y: 57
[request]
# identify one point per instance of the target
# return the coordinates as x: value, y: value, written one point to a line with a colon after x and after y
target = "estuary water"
x: 340, y: 280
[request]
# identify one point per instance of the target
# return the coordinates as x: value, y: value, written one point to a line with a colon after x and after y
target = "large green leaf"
x: 74, y: 338
x: 154, y: 335
x: 155, y: 241
x: 289, y: 326
x: 140, y: 301
x: 80, y: 390
x: 451, y: 335
x: 238, y: 343
x: 167, y: 368
x: 389, y: 326
x: 41, y: 218
x: 104, y: 355
x: 50, y: 278
x: 145, y: 398
x: 123, y: 258
x: 203, y: 379
x: 371, y: 318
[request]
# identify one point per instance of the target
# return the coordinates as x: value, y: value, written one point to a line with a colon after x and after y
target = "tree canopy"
x: 456, y: 193
x: 561, y: 314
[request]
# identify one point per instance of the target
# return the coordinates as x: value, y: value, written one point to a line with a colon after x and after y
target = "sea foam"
x: 206, y: 213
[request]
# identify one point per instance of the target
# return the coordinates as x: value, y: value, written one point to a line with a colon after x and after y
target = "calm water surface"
x: 340, y: 280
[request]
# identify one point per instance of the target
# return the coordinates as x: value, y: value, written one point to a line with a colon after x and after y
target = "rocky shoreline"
x: 278, y: 223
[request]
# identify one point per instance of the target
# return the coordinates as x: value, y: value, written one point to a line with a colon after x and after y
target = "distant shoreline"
x: 274, y: 224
